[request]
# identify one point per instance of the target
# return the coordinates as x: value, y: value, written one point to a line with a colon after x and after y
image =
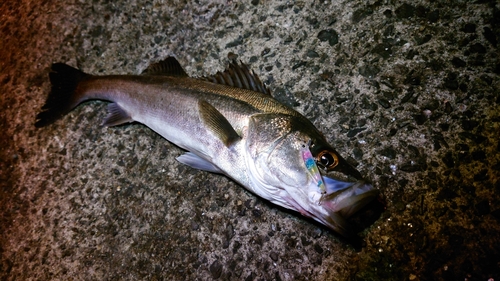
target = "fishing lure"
x: 313, y: 169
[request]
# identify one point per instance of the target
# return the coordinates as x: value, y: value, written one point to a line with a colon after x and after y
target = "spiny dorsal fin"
x: 217, y: 123
x: 168, y: 67
x: 239, y: 76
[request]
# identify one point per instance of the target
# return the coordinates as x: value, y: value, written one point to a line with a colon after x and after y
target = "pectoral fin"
x: 217, y: 123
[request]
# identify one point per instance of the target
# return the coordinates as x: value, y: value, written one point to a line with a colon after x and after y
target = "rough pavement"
x: 408, y: 91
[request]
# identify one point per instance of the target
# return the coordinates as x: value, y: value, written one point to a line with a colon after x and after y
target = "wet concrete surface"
x: 407, y: 91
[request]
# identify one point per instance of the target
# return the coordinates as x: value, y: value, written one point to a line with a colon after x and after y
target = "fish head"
x: 292, y: 165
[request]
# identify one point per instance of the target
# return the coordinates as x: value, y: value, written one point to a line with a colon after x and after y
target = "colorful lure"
x: 313, y: 169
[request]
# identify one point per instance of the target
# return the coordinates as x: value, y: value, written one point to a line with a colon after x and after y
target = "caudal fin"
x: 62, y: 98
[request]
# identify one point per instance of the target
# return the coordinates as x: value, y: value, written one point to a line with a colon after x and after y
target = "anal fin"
x: 217, y: 123
x: 116, y: 116
x: 194, y: 161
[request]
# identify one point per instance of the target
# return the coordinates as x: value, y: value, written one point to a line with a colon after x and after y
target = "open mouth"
x: 341, y: 198
x: 346, y: 198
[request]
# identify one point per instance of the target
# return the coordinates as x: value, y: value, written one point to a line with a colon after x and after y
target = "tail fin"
x: 62, y: 98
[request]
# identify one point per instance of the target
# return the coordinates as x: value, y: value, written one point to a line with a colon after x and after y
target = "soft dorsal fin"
x: 239, y: 76
x: 168, y: 67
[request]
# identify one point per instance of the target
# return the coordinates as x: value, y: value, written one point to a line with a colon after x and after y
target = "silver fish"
x: 229, y: 124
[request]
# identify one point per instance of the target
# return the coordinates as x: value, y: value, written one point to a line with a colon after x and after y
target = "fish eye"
x: 327, y: 159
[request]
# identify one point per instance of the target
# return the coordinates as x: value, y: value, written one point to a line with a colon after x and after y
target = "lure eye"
x: 327, y: 159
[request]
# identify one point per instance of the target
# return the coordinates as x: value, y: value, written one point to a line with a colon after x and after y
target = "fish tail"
x: 63, y: 96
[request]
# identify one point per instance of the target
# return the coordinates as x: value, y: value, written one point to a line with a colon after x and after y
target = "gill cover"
x: 271, y: 143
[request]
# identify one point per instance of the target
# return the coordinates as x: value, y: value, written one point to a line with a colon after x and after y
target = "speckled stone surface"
x: 409, y: 91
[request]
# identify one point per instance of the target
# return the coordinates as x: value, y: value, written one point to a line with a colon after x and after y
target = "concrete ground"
x: 407, y: 90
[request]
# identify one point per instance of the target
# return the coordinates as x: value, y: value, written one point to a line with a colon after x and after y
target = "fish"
x: 227, y: 123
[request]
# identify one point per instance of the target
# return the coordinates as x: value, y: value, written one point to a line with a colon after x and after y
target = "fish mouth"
x: 337, y: 199
x: 344, y: 200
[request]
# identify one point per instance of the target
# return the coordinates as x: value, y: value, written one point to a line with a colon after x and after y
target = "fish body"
x: 228, y: 124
